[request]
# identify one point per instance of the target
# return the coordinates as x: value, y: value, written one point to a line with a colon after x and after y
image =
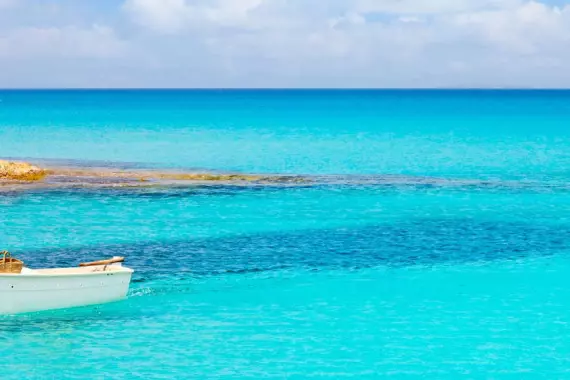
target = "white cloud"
x: 431, y: 6
x: 174, y: 15
x: 526, y: 29
x: 282, y: 43
x: 165, y: 15
x: 94, y: 42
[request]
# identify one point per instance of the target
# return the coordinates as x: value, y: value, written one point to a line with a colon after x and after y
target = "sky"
x: 284, y: 43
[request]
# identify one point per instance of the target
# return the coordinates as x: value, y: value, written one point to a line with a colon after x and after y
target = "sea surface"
x: 433, y: 242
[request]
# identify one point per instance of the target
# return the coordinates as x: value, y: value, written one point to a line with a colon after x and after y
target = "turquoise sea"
x: 434, y: 241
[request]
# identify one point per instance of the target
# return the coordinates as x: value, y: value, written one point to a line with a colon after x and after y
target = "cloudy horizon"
x: 284, y: 44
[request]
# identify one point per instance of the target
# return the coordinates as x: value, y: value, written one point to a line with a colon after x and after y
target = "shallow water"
x: 393, y: 278
x: 470, y: 134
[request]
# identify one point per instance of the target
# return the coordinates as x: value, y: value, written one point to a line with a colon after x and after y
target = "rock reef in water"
x: 22, y: 175
x: 152, y: 175
x: 21, y: 171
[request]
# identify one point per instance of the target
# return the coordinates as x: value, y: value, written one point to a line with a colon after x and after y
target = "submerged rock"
x: 25, y: 176
x: 209, y: 177
x: 21, y: 171
x: 99, y: 174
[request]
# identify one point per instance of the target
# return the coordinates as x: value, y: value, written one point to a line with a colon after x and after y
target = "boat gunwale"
x: 123, y: 270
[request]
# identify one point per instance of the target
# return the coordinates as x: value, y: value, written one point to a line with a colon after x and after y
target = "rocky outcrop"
x: 20, y: 171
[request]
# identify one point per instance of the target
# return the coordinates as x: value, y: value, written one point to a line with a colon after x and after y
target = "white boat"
x: 47, y: 289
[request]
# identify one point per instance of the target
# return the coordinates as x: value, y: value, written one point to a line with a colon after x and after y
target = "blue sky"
x: 284, y: 43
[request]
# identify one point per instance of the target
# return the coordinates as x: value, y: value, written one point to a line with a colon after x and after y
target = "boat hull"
x: 25, y: 293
